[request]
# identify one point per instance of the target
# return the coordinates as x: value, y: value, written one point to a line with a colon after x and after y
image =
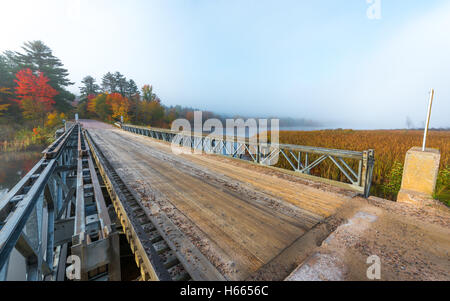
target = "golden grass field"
x: 390, y: 147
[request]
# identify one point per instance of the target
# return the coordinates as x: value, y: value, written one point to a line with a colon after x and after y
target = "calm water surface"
x: 15, y: 165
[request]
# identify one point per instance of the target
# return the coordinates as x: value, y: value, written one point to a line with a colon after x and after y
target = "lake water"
x: 13, y: 166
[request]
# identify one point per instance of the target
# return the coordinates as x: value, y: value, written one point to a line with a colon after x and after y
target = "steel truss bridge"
x: 58, y: 215
x: 298, y: 157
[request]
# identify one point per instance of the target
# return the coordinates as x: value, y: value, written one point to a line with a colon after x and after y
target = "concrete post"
x: 419, y: 175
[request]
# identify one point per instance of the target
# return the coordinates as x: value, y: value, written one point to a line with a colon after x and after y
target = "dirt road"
x: 251, y: 222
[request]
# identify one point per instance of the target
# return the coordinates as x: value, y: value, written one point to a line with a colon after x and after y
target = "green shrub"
x: 443, y: 186
x: 393, y: 182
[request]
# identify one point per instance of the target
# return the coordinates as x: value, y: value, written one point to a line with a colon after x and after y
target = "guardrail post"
x: 307, y: 164
x: 368, y: 162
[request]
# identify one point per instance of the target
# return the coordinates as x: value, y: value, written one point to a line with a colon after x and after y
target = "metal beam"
x: 360, y: 180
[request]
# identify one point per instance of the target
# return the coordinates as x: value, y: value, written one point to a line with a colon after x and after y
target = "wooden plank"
x: 249, y: 233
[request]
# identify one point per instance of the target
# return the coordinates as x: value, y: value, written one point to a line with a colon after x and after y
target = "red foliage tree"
x: 34, y: 94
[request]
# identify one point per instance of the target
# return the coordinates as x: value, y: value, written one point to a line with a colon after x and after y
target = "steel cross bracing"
x: 155, y: 256
x: 55, y: 211
x: 298, y: 157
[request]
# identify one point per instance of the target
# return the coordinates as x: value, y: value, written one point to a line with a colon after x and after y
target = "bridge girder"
x: 38, y: 216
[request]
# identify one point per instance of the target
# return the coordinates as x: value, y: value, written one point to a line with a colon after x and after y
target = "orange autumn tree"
x: 54, y: 118
x: 119, y: 104
x: 91, y: 102
x: 98, y: 106
x: 34, y: 95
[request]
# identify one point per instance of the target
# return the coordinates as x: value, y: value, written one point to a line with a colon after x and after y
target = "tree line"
x: 116, y: 96
x: 34, y: 96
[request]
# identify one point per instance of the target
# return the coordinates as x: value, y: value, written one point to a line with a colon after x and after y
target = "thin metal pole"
x: 428, y: 120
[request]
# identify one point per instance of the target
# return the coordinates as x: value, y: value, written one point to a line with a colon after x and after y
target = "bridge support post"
x: 99, y: 259
x: 419, y: 176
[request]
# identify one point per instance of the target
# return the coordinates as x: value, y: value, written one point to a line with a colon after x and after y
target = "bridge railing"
x: 28, y: 212
x: 57, y: 203
x: 354, y: 168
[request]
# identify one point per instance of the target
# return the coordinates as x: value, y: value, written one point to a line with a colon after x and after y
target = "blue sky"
x: 322, y: 60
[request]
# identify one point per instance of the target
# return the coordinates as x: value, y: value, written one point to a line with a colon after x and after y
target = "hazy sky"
x: 322, y: 60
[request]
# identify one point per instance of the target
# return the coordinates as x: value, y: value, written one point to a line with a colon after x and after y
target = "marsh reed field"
x: 390, y: 149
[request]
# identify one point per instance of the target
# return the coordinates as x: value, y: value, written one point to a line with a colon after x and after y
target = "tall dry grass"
x: 16, y: 145
x: 390, y: 149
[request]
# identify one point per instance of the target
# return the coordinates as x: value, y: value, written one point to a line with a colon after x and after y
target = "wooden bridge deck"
x: 239, y: 215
